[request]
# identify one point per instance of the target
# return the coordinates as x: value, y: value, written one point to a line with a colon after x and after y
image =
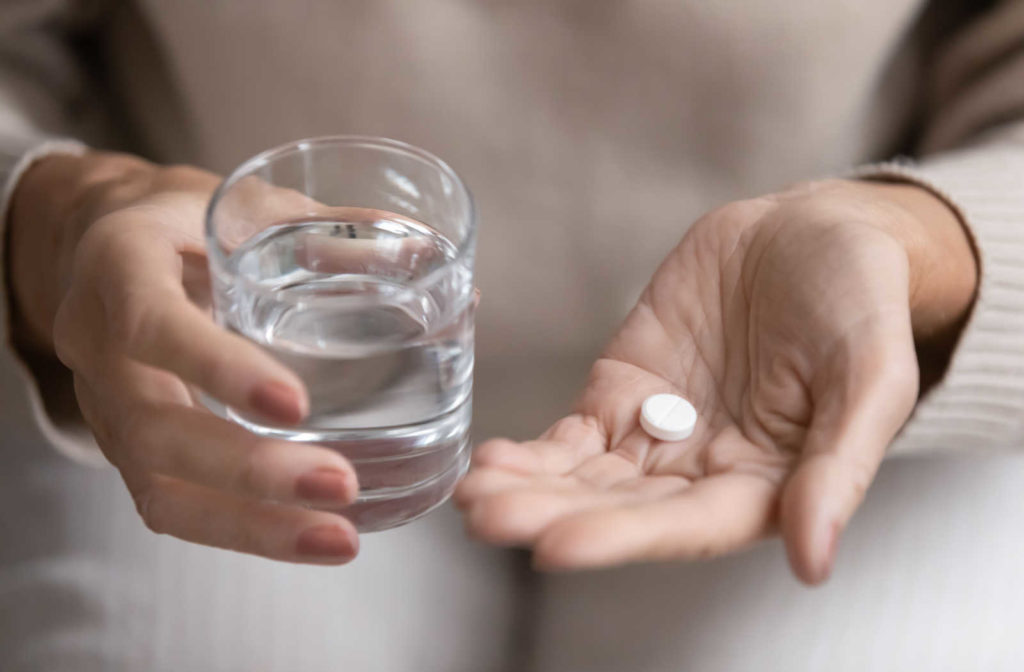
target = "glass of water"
x: 350, y: 260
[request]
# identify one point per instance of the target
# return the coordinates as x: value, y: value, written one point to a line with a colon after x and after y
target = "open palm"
x: 786, y: 322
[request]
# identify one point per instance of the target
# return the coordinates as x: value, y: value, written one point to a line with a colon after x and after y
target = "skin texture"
x: 124, y: 303
x: 789, y: 322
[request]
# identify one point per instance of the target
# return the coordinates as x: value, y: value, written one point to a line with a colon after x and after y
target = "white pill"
x: 668, y: 417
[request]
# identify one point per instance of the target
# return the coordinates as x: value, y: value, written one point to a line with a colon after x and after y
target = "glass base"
x: 385, y: 508
x: 404, y: 472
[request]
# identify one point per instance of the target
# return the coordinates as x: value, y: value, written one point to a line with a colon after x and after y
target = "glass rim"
x: 251, y: 165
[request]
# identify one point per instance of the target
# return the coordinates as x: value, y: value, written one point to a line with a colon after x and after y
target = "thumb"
x: 868, y: 397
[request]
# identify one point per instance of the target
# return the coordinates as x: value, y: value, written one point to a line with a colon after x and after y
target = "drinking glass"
x: 350, y: 260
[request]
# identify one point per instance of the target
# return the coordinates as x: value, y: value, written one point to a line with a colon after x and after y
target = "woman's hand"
x: 789, y: 321
x: 108, y: 271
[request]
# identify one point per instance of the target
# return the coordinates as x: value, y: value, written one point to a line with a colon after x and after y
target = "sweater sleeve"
x: 44, y: 104
x: 972, y: 156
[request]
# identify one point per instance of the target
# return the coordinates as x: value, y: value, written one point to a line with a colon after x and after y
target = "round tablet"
x: 668, y: 417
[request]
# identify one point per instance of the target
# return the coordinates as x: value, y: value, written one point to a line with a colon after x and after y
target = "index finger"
x: 149, y: 318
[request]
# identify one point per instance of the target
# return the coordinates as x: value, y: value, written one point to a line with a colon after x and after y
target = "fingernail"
x: 277, y: 400
x: 325, y: 541
x: 324, y: 485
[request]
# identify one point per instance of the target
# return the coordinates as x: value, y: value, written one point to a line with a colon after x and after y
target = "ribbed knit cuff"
x: 22, y: 412
x: 979, y: 404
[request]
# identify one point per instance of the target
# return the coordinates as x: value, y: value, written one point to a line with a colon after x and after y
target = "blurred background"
x: 592, y: 133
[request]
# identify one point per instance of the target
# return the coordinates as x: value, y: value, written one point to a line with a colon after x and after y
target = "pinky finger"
x: 212, y: 518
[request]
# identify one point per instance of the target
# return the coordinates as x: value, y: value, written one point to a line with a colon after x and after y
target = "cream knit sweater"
x: 577, y: 124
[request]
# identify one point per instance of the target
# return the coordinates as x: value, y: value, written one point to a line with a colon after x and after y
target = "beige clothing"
x: 592, y: 132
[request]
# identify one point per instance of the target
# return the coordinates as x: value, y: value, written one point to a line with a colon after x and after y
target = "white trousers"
x: 84, y: 587
x: 928, y: 578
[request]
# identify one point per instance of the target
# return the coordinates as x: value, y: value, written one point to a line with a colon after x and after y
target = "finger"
x: 563, y: 447
x: 151, y: 320
x: 854, y: 422
x: 103, y: 399
x: 252, y: 205
x: 518, y: 517
x: 144, y: 421
x: 340, y: 250
x: 616, y: 389
x: 625, y: 463
x: 194, y: 445
x: 510, y: 509
x: 176, y: 336
x: 482, y: 481
x: 211, y: 518
x: 134, y: 268
x: 713, y: 516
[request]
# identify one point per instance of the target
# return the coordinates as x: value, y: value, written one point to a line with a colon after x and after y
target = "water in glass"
x: 373, y: 313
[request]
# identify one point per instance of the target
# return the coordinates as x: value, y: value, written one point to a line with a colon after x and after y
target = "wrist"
x: 52, y: 205
x: 943, y: 262
x: 943, y: 272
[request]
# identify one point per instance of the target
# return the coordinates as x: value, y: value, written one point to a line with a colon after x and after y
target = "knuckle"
x: 184, y: 177
x: 129, y: 308
x: 103, y: 423
x: 135, y: 317
x: 858, y: 474
x: 93, y: 242
x: 67, y: 331
x: 149, y: 505
x: 492, y: 452
x: 590, y: 422
x: 120, y: 436
x: 97, y: 423
x: 254, y: 473
x: 214, y: 373
x: 572, y: 427
x: 178, y: 170
x: 106, y: 443
x: 861, y: 476
x: 131, y: 427
x: 102, y: 245
x: 112, y: 185
x: 128, y: 317
x: 488, y: 520
x: 126, y: 306
x: 805, y: 187
x: 731, y: 213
